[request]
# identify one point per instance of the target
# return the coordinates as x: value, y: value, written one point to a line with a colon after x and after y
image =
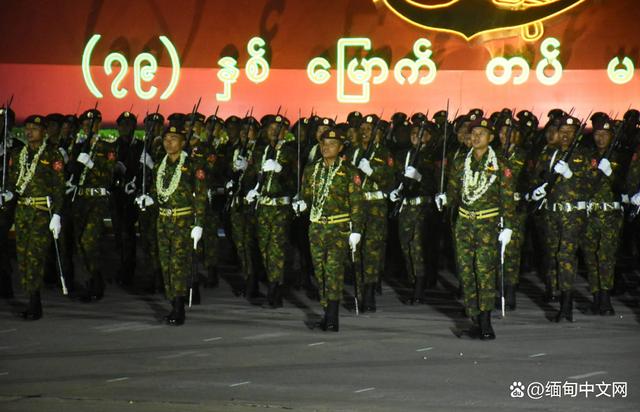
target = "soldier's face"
x: 552, y: 136
x: 602, y: 138
x: 426, y: 136
x: 566, y: 134
x: 330, y: 148
x: 352, y: 134
x: 463, y: 131
x: 173, y: 143
x: 65, y: 130
x: 365, y: 131
x: 272, y: 132
x: 34, y: 133
x: 125, y: 128
x: 480, y: 138
x: 53, y: 129
x: 86, y: 124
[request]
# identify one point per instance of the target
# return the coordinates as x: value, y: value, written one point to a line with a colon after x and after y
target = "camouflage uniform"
x: 477, y: 229
x: 374, y: 236
x: 91, y: 206
x: 604, y: 224
x: 565, y: 214
x: 329, y: 228
x: 274, y: 210
x: 184, y: 208
x: 32, y: 215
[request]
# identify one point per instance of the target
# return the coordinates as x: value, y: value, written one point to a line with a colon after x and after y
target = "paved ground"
x: 116, y: 354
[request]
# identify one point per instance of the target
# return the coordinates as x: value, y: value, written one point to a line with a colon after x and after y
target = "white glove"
x: 539, y: 192
x: 394, y: 196
x: 527, y: 197
x: 196, y: 235
x: 441, y: 201
x: 65, y: 155
x: 271, y: 166
x: 146, y: 159
x: 365, y: 166
x: 229, y: 185
x: 85, y: 159
x: 5, y: 196
x: 562, y: 168
x: 635, y: 199
x: 354, y: 239
x: 130, y: 187
x: 505, y: 237
x: 70, y: 187
x: 55, y: 226
x: 143, y: 201
x: 412, y: 173
x: 240, y: 164
x: 605, y: 167
x: 299, y: 206
x: 252, y: 195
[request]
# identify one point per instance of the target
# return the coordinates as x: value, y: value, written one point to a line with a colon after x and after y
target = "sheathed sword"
x: 58, y: 260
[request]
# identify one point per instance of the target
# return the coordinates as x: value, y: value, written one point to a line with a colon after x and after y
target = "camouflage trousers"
x: 600, y: 247
x: 88, y: 215
x: 273, y: 231
x: 372, y: 248
x: 477, y: 253
x: 243, y: 233
x: 513, y: 253
x: 329, y: 254
x: 147, y: 225
x: 411, y: 228
x: 210, y: 241
x: 33, y: 239
x: 564, y: 232
x: 175, y: 252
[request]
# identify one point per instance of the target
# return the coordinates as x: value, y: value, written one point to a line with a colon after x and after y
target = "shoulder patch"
x: 390, y: 161
x: 200, y: 174
x: 357, y: 180
x: 507, y: 172
x: 111, y: 156
x: 594, y: 163
x: 58, y: 166
x: 635, y: 157
x: 212, y: 158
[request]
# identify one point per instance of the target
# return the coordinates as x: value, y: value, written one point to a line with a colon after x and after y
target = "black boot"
x: 566, y: 307
x: 271, y: 289
x: 96, y: 287
x: 369, y: 297
x: 418, y: 291
x: 251, y: 288
x: 333, y: 316
x: 196, y: 299
x: 276, y: 295
x: 212, y: 278
x: 172, y: 313
x: 510, y: 296
x: 178, y: 316
x: 606, y: 309
x: 595, y: 305
x: 486, y: 330
x: 34, y: 310
x: 550, y: 295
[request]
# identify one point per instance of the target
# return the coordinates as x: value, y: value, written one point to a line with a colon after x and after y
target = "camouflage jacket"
x: 343, y: 196
x: 382, y: 163
x: 565, y: 190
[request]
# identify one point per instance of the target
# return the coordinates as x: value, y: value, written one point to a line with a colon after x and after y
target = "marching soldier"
x: 273, y: 192
x: 179, y: 188
x: 415, y: 192
x: 604, y: 217
x: 90, y: 182
x: 37, y: 180
x: 331, y: 189
x: 566, y: 209
x: 482, y: 185
x: 7, y: 209
x: 376, y: 166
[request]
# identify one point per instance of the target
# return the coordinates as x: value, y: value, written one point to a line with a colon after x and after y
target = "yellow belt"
x: 379, y: 195
x: 39, y: 203
x: 93, y: 191
x: 416, y: 201
x: 330, y: 220
x: 481, y: 214
x: 180, y: 211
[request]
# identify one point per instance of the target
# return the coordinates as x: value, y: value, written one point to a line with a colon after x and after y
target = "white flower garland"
x: 320, y: 196
x: 476, y: 184
x: 26, y: 174
x: 165, y: 193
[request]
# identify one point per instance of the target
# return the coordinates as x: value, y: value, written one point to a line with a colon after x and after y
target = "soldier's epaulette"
x: 109, y: 138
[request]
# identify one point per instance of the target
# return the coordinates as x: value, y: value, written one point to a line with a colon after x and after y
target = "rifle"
x: 237, y: 178
x: 145, y: 146
x: 405, y: 181
x: 551, y: 180
x: 192, y: 119
x: 86, y: 148
x: 445, y: 137
x: 210, y: 136
x: 5, y: 132
x: 269, y: 149
x: 299, y: 160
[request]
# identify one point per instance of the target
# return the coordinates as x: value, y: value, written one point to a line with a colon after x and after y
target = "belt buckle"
x: 324, y: 220
x: 472, y: 215
x: 27, y: 201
